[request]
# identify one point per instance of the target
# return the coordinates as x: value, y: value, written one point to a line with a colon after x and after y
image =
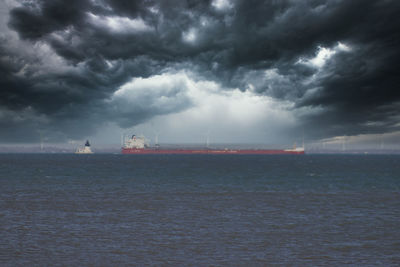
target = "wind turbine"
x: 122, y: 138
x: 42, y: 139
x: 344, y: 143
x: 208, y: 138
x: 156, y: 133
x: 382, y: 143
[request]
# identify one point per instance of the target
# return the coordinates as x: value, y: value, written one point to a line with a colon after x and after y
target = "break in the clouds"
x: 244, y: 70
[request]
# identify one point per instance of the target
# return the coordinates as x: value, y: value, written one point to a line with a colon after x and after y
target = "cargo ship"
x: 138, y: 145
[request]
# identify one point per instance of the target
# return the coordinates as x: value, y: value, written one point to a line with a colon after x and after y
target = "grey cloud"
x: 236, y: 47
x: 145, y: 102
x: 35, y: 19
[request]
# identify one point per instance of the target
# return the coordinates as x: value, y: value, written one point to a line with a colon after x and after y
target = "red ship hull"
x: 210, y: 151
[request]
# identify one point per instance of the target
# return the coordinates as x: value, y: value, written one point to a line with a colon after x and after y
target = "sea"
x: 199, y: 210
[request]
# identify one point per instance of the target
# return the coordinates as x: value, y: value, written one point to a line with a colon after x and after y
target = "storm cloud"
x: 69, y: 68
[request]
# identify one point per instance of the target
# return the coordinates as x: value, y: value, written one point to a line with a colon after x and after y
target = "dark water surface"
x: 200, y: 210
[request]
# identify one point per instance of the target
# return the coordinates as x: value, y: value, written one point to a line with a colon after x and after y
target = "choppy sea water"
x: 199, y: 210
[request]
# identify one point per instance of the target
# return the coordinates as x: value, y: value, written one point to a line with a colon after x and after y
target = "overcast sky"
x: 242, y: 71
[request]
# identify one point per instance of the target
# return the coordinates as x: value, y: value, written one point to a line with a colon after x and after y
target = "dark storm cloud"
x: 36, y: 19
x: 251, y: 45
x: 359, y: 90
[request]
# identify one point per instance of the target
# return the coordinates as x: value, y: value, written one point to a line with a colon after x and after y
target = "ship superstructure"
x: 136, y: 142
x: 85, y: 150
x: 139, y: 145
